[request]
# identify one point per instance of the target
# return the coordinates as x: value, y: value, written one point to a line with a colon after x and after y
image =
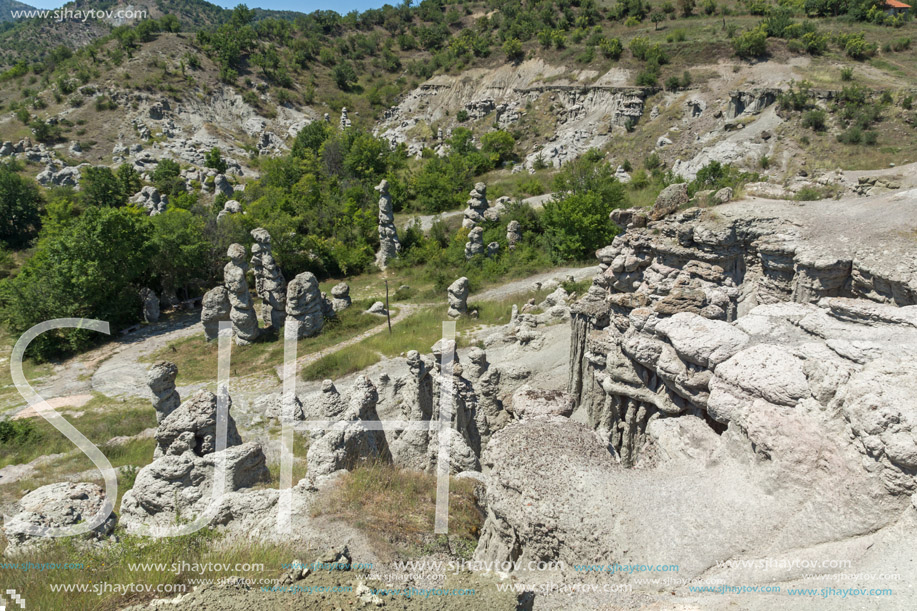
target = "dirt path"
x: 525, y: 285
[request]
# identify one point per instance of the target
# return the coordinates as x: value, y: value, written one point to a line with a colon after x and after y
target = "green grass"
x: 101, y: 420
x: 9, y: 396
x: 395, y: 507
x: 196, y: 358
x: 111, y: 565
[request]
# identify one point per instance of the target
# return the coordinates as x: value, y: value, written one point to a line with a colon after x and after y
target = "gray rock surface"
x: 389, y: 246
x: 458, y: 297
x: 215, y: 307
x: 54, y: 506
x: 340, y: 296
x: 242, y: 313
x: 513, y: 234
x: 304, y: 305
x: 477, y: 206
x: 270, y: 284
x: 150, y: 304
x: 161, y: 380
x: 151, y: 200
x: 669, y: 200
x: 475, y: 244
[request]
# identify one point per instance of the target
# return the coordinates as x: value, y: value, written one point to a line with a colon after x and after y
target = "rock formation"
x: 353, y: 443
x: 150, y: 199
x: 215, y: 307
x: 242, y: 313
x: 150, y: 305
x: 477, y: 206
x: 493, y: 249
x: 773, y: 392
x: 231, y: 206
x: 270, y: 284
x: 345, y: 120
x: 54, y: 506
x: 377, y: 308
x: 475, y: 244
x: 669, y: 200
x: 340, y: 296
x: 180, y: 480
x: 161, y: 380
x: 513, y: 234
x: 389, y: 246
x: 458, y: 298
x: 304, y: 304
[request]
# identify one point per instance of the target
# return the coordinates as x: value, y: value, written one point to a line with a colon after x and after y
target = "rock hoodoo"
x: 242, y: 313
x: 150, y: 305
x: 513, y: 234
x: 304, y: 304
x: 161, y: 380
x: 215, y: 307
x: 477, y: 206
x: 389, y: 246
x: 270, y: 284
x: 475, y: 244
x: 458, y: 297
x: 340, y: 296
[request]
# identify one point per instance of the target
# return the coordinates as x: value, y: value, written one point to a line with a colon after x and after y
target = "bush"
x: 814, y: 119
x: 214, y: 160
x: 847, y: 74
x: 345, y: 77
x: 512, y: 47
x: 461, y: 116
x: 20, y: 206
x: 751, y: 43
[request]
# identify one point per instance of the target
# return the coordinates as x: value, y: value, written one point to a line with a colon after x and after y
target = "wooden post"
x: 388, y: 312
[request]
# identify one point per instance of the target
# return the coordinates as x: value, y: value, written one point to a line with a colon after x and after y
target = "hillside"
x: 6, y: 6
x: 677, y: 241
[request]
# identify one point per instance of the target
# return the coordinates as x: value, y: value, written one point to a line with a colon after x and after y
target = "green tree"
x: 128, y: 179
x: 179, y: 251
x: 498, y: 145
x: 167, y: 177
x: 91, y: 269
x: 20, y: 205
x: 512, y: 47
x: 214, y: 160
x: 687, y: 7
x: 344, y: 76
x: 100, y: 187
x: 751, y: 43
x: 310, y: 138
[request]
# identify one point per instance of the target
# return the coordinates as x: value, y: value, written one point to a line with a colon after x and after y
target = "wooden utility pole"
x: 388, y: 312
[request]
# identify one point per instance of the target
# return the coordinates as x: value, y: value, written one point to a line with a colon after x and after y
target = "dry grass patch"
x: 396, y: 507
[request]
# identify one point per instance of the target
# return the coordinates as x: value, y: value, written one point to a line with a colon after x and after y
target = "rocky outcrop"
x: 161, y: 380
x: 751, y: 102
x: 231, y: 206
x: 458, y: 297
x: 345, y: 122
x: 669, y: 200
x: 150, y: 304
x: 513, y: 234
x: 353, y: 443
x: 340, y: 297
x: 304, y: 305
x: 389, y: 246
x: 475, y: 244
x: 242, y: 313
x: 215, y: 307
x: 179, y: 483
x: 477, y: 206
x: 533, y: 402
x: 54, y: 506
x: 151, y: 200
x: 270, y: 284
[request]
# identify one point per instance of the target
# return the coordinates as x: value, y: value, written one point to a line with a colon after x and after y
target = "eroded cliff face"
x: 568, y: 112
x: 748, y: 370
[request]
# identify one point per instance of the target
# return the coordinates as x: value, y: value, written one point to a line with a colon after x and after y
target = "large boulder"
x: 55, y: 506
x: 669, y: 200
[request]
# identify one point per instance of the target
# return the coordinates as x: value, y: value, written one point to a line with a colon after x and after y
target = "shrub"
x: 814, y: 119
x: 751, y: 43
x: 847, y: 74
x: 461, y: 116
x: 20, y: 205
x: 611, y: 48
x: 512, y: 47
x: 214, y: 160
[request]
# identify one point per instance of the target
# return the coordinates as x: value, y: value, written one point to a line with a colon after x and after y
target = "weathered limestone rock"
x: 377, y: 308
x: 215, y: 307
x: 151, y: 200
x: 54, y: 506
x: 493, y: 249
x: 340, y: 296
x: 270, y: 284
x: 413, y: 397
x: 150, y: 305
x: 475, y: 244
x: 513, y: 234
x: 389, y: 246
x: 231, y: 206
x: 530, y: 402
x: 458, y: 298
x: 669, y: 200
x: 723, y: 196
x: 179, y: 483
x: 477, y: 206
x: 345, y: 120
x: 304, y: 305
x: 161, y: 380
x: 242, y: 314
x: 347, y: 447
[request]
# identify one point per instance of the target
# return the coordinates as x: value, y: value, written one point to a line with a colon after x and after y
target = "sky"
x: 303, y: 6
